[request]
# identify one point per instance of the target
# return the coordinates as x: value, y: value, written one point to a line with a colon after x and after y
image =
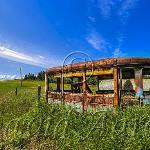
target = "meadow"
x: 27, y: 123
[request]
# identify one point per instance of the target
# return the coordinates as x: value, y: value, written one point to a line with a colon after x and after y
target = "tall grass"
x: 27, y: 124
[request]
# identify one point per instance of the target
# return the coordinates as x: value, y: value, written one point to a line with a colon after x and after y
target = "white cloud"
x: 105, y: 7
x: 126, y: 6
x: 97, y: 41
x: 92, y: 19
x: 14, y: 55
x: 8, y: 77
x: 42, y: 57
x: 120, y: 8
x: 118, y: 53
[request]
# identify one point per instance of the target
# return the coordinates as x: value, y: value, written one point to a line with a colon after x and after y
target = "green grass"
x: 28, y: 124
x: 6, y: 86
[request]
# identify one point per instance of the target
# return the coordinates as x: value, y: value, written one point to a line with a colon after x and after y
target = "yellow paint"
x: 88, y: 73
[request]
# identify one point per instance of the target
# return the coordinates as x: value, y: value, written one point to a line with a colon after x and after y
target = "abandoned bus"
x: 118, y: 82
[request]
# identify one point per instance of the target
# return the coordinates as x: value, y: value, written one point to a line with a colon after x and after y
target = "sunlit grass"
x: 28, y: 124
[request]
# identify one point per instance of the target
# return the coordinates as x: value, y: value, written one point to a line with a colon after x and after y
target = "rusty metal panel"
x: 73, y: 98
x: 110, y: 62
x: 116, y: 90
x: 88, y: 73
x: 91, y: 99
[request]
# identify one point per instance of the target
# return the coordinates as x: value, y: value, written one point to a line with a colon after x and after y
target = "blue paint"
x: 146, y: 101
x: 139, y: 93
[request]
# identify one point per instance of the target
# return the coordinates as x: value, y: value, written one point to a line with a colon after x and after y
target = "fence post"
x: 16, y: 91
x: 46, y: 96
x: 39, y: 93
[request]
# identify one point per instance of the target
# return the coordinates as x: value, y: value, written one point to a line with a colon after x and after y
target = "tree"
x: 30, y: 76
x: 41, y: 76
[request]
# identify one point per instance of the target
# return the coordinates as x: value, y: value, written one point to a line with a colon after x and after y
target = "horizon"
x: 35, y: 35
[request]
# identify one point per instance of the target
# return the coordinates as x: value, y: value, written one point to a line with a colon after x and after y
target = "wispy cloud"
x: 8, y: 77
x: 120, y: 39
x: 125, y: 8
x: 91, y: 18
x: 118, y: 53
x: 14, y: 55
x: 97, y: 41
x: 105, y: 7
x: 120, y: 8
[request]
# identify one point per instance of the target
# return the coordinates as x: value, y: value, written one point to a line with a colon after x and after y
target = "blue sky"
x: 36, y: 34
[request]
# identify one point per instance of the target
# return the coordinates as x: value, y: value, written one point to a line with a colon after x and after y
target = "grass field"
x: 27, y: 123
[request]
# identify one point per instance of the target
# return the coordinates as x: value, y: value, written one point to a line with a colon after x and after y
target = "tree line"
x: 41, y: 77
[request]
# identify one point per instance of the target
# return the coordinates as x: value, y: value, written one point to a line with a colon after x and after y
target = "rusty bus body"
x: 122, y: 72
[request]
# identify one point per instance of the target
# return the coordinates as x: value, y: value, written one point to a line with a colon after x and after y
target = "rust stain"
x: 98, y: 64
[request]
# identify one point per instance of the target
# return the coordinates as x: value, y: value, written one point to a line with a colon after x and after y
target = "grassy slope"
x: 27, y: 124
x: 7, y: 86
